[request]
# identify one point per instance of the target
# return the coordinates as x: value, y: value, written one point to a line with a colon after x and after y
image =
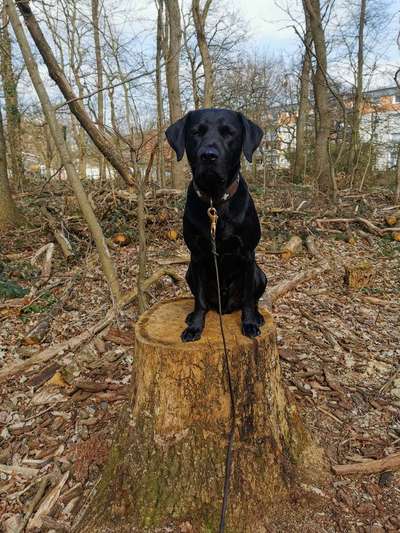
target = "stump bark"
x: 167, y: 462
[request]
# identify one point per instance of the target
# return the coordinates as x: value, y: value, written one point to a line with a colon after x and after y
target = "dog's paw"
x: 250, y: 330
x: 191, y: 334
x: 259, y: 319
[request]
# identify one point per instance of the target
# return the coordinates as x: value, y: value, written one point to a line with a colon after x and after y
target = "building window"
x: 396, y: 98
x: 374, y: 99
x: 392, y: 159
x: 395, y: 137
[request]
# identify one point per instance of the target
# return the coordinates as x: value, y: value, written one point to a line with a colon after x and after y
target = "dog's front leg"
x: 195, y: 319
x: 251, y: 318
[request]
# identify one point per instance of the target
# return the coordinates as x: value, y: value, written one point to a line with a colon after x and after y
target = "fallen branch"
x: 33, y: 504
x: 47, y: 504
x: 72, y: 344
x: 47, y: 249
x: 363, y: 221
x: 62, y: 240
x: 391, y: 462
x: 16, y: 470
x: 173, y: 260
x: 285, y: 286
x: 389, y: 230
x: 169, y: 192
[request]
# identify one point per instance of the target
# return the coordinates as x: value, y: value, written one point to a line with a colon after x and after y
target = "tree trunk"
x: 160, y: 107
x: 167, y: 462
x: 9, y: 215
x: 11, y: 104
x: 397, y: 192
x: 304, y: 108
x: 172, y: 73
x: 321, y: 94
x: 65, y: 156
x: 358, y: 100
x: 101, y: 141
x: 99, y: 77
x: 142, y: 260
x: 193, y: 69
x: 199, y: 18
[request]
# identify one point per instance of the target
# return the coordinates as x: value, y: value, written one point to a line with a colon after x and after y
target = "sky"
x: 271, y: 30
x: 268, y: 24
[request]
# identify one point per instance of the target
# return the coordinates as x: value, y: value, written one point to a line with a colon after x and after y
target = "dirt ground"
x: 339, y: 347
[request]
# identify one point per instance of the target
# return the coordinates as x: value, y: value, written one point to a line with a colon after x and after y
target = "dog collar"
x: 230, y: 191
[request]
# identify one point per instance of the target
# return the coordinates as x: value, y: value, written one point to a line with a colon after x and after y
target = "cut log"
x: 167, y: 462
x: 359, y: 275
x: 392, y: 218
x: 291, y: 248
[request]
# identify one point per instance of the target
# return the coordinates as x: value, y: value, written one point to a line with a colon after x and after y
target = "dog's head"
x: 214, y: 140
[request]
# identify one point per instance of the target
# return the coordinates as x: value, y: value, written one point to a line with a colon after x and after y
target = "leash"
x: 213, y: 216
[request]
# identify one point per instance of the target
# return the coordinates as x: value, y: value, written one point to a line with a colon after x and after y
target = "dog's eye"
x: 200, y: 131
x: 225, y: 131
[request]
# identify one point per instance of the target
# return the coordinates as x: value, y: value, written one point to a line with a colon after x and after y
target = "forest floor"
x: 339, y: 348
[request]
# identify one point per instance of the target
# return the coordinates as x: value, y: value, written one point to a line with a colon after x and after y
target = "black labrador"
x: 214, y: 140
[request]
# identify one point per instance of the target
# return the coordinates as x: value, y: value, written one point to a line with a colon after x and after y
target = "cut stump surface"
x: 167, y: 462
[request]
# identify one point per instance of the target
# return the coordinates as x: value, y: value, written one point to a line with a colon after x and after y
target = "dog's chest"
x: 228, y: 239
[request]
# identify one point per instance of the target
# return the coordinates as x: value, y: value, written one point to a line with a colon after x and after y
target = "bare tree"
x: 304, y: 105
x: 191, y: 53
x: 172, y: 50
x: 322, y: 174
x: 99, y: 74
x: 13, y: 114
x: 397, y: 191
x: 99, y: 138
x: 68, y: 33
x: 358, y: 98
x: 9, y: 215
x: 199, y: 18
x: 65, y: 156
x: 160, y: 107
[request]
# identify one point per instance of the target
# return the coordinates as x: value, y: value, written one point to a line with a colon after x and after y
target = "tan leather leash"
x: 213, y: 216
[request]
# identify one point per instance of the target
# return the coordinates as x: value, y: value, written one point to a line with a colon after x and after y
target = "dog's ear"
x: 252, y: 135
x: 176, y: 136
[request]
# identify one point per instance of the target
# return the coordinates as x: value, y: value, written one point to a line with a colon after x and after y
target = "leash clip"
x: 212, y: 214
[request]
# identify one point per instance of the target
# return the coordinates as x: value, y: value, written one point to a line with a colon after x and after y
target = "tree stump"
x: 167, y: 462
x: 359, y: 275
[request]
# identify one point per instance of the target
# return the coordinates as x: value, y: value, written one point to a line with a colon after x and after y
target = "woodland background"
x: 91, y: 203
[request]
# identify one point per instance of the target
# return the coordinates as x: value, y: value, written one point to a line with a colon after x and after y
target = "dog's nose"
x: 209, y: 154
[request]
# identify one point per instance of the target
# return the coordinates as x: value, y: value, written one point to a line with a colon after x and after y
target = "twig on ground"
x: 47, y: 503
x: 33, y: 503
x: 391, y: 462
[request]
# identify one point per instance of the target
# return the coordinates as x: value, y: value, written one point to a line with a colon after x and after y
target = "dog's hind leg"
x: 254, y: 285
x: 260, y: 285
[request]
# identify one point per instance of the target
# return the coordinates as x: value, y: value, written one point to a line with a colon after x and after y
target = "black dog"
x: 214, y: 140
